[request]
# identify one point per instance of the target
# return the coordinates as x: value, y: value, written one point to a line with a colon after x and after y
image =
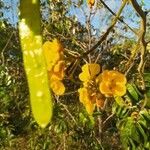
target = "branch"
x: 2, y: 52
x: 68, y: 112
x: 120, y: 19
x: 108, y: 118
x: 75, y: 60
x: 141, y: 37
x: 104, y: 36
x: 88, y: 26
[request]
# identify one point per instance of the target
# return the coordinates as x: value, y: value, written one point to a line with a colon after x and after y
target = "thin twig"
x: 2, y: 52
x: 89, y: 33
x: 129, y: 68
x: 120, y: 19
x: 69, y: 93
x: 71, y: 116
x: 108, y: 118
x: 104, y: 36
x: 98, y: 57
x: 100, y: 127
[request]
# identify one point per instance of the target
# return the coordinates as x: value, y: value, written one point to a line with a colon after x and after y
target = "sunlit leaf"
x: 120, y: 101
x: 120, y: 111
x: 34, y: 63
x: 132, y: 91
x: 147, y: 79
x: 142, y: 132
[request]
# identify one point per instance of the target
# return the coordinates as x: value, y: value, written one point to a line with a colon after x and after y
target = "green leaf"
x: 132, y: 91
x: 147, y: 77
x: 125, y: 112
x: 34, y: 62
x: 142, y: 132
x: 147, y: 145
x: 132, y: 144
x: 134, y: 133
x: 120, y: 101
x: 114, y: 107
x: 146, y: 114
x: 142, y: 121
x: 91, y: 122
x: 148, y: 97
x: 129, y: 132
x: 82, y: 118
x: 120, y: 111
x: 136, y: 89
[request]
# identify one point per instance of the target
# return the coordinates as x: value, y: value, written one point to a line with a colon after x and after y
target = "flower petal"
x: 105, y: 75
x: 119, y: 77
x: 84, y: 76
x: 83, y: 95
x: 56, y: 45
x: 113, y: 83
x: 90, y: 108
x: 59, y: 66
x: 98, y: 79
x: 57, y: 87
x: 52, y: 52
x: 89, y: 71
x: 105, y: 88
x: 94, y: 69
x: 58, y: 70
x: 50, y: 56
x: 119, y: 90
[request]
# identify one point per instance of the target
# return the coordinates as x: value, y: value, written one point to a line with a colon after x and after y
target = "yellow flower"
x: 83, y: 95
x: 89, y: 72
x: 88, y: 94
x: 91, y: 3
x: 98, y: 78
x: 55, y: 77
x: 58, y: 70
x: 112, y: 83
x: 52, y: 52
x: 57, y: 87
x: 90, y: 108
x: 87, y: 100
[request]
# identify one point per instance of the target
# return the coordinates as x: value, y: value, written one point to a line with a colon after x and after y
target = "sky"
x: 11, y: 13
x: 10, y: 10
x: 100, y: 15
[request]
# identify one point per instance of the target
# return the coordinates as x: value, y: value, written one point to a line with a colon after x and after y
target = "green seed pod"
x: 34, y: 62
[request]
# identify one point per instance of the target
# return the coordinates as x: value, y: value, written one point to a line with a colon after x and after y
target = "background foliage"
x: 119, y: 126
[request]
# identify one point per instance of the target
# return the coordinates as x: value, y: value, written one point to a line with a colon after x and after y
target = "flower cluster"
x: 88, y: 94
x: 97, y: 86
x: 53, y: 52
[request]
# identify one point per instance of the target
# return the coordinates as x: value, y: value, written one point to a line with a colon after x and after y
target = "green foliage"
x: 120, y: 111
x: 134, y: 130
x: 133, y: 120
x: 133, y: 91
